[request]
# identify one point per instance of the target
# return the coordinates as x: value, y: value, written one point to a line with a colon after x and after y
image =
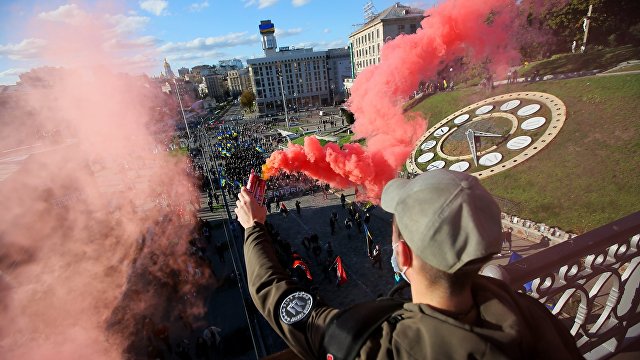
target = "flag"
x: 515, y: 257
x: 368, y: 238
x: 340, y: 272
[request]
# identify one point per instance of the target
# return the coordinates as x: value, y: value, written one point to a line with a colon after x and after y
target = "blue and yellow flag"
x: 368, y: 238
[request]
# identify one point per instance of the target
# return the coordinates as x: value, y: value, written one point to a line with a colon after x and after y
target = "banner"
x: 368, y: 238
x: 340, y: 272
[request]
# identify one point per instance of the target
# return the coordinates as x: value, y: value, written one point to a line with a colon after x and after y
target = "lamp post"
x: 284, y: 102
x: 333, y: 101
x: 182, y: 109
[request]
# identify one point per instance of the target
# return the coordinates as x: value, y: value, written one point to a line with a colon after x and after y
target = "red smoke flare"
x: 94, y: 229
x: 477, y: 29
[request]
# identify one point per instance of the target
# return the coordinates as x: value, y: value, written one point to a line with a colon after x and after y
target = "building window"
x: 378, y: 34
x: 401, y: 28
x: 412, y: 28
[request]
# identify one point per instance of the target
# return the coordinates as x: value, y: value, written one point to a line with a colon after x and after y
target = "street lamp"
x: 333, y: 101
x: 182, y: 109
x: 284, y: 102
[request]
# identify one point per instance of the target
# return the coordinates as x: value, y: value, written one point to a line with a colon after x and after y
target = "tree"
x: 612, y: 21
x: 247, y: 98
x: 348, y: 115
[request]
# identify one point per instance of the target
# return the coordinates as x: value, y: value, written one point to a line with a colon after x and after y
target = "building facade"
x: 231, y: 64
x: 297, y: 78
x: 239, y: 81
x: 300, y: 74
x: 216, y: 85
x: 183, y: 72
x: 167, y: 69
x: 366, y: 42
x: 202, y: 90
x: 339, y: 69
x: 203, y: 70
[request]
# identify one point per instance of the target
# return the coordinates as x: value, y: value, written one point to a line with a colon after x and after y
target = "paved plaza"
x: 365, y: 281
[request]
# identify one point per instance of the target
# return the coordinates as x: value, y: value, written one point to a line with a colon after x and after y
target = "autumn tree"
x: 247, y: 98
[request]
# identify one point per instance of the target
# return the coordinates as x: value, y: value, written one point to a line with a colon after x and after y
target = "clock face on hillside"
x: 490, y: 136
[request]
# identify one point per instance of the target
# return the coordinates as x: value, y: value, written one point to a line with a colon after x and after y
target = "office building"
x: 299, y: 75
x: 339, y: 69
x: 182, y: 72
x: 230, y: 64
x: 216, y: 85
x: 239, y: 81
x: 367, y: 41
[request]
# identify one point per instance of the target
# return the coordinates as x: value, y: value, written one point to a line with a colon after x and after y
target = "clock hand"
x: 472, y: 145
x: 482, y: 133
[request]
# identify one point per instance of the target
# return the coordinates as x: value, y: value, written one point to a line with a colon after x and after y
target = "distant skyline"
x: 188, y: 32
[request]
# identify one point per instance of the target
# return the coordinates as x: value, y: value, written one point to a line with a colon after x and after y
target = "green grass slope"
x: 589, y: 175
x: 594, y: 59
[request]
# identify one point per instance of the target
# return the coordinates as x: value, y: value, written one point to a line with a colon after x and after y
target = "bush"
x: 348, y: 115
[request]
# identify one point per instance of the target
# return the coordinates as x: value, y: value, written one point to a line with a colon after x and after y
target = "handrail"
x: 590, y: 282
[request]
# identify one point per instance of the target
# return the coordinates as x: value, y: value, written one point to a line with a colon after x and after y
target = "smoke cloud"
x: 479, y: 30
x: 96, y: 222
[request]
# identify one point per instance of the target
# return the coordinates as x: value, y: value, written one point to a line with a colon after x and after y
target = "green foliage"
x: 587, y: 176
x: 348, y: 115
x: 179, y: 151
x: 596, y: 59
x: 247, y: 98
x: 609, y: 18
x: 345, y: 139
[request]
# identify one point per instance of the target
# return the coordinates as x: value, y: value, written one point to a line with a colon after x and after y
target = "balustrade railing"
x: 591, y: 282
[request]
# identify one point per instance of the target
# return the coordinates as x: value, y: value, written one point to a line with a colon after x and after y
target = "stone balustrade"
x: 533, y: 231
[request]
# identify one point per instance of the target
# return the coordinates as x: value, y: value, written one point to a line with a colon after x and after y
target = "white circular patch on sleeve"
x: 296, y: 307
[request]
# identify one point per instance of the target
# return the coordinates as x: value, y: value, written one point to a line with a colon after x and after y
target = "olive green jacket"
x: 512, y: 325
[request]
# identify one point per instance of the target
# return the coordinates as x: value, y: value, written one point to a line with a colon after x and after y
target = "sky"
x: 186, y: 32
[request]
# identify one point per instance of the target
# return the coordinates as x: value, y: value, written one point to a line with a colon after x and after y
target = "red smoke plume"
x: 477, y: 29
x: 94, y: 230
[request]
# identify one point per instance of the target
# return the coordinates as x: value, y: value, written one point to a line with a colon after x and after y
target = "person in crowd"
x: 445, y: 227
x: 506, y: 236
x: 283, y: 209
x: 376, y: 257
x: 347, y: 225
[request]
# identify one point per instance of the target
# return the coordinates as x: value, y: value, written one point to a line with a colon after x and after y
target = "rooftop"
x: 395, y: 11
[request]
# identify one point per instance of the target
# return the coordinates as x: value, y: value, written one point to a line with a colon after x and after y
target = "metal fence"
x: 590, y: 282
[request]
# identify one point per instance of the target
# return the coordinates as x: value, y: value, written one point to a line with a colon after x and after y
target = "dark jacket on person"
x: 510, y: 325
